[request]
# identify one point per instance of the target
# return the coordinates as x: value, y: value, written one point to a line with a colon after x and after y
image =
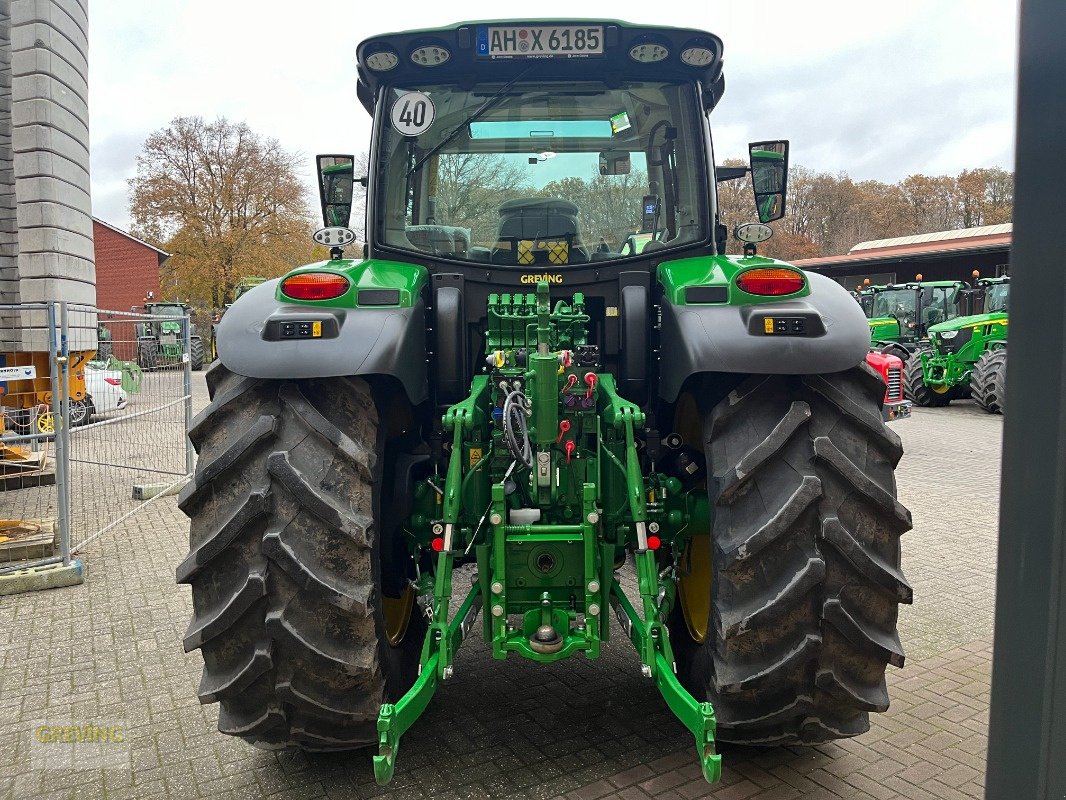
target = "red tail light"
x: 113, y: 381
x: 314, y: 286
x: 771, y: 281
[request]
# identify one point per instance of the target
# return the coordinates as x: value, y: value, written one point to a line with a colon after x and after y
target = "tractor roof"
x: 919, y: 285
x: 463, y: 54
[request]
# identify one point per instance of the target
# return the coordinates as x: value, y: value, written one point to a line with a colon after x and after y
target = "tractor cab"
x: 901, y: 314
x: 996, y: 292
x: 167, y: 329
x: 540, y: 147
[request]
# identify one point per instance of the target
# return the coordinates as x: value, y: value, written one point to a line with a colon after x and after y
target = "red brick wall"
x: 126, y: 270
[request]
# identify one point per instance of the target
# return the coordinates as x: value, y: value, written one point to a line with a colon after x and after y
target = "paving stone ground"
x: 109, y: 652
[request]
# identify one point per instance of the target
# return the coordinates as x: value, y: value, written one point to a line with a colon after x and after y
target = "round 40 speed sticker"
x: 412, y: 113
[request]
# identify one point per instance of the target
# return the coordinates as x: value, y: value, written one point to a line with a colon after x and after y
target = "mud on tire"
x: 806, y: 559
x: 284, y: 563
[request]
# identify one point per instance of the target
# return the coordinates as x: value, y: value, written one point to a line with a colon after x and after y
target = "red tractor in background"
x: 890, y: 368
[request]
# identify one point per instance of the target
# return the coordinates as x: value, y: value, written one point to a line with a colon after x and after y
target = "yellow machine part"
x: 694, y: 581
x: 397, y: 614
x: 34, y: 391
x: 694, y: 586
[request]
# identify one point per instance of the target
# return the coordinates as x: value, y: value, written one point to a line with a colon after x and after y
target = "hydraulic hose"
x: 515, y: 429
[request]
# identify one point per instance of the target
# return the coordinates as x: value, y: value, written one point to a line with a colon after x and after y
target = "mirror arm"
x: 730, y: 173
x: 363, y: 181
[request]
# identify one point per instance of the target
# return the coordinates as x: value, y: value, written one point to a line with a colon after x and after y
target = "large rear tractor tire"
x: 915, y: 388
x: 988, y: 381
x: 805, y: 560
x: 285, y: 564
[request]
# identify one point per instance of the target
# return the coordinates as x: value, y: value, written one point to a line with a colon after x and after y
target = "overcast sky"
x: 877, y: 90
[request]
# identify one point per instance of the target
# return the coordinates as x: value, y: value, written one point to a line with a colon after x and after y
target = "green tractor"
x: 968, y: 355
x: 900, y: 315
x: 160, y: 342
x: 490, y: 389
x: 864, y: 296
x: 245, y: 284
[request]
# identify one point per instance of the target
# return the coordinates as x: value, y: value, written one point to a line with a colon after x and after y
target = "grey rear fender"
x: 354, y: 341
x: 703, y: 338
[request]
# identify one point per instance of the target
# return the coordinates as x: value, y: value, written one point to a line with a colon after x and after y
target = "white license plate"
x: 539, y: 40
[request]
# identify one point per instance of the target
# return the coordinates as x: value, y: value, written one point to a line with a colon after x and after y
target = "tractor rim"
x: 941, y: 388
x: 694, y: 582
x: 397, y: 615
x: 694, y: 587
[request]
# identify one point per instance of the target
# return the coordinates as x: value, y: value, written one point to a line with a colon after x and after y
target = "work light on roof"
x: 382, y: 61
x: 697, y: 56
x: 648, y: 52
x: 430, y: 55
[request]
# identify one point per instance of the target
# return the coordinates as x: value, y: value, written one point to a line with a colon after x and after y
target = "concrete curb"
x: 50, y: 576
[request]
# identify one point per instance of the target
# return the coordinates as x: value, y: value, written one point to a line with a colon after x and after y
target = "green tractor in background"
x: 160, y: 342
x: 968, y: 355
x: 245, y: 284
x: 900, y: 315
x: 864, y: 296
x: 492, y: 389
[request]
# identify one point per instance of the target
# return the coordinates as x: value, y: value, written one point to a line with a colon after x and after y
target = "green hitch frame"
x: 587, y: 540
x: 697, y: 717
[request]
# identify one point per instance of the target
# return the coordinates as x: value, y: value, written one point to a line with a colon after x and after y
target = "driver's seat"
x: 538, y: 231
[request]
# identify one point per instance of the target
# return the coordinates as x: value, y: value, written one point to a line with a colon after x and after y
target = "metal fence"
x: 34, y: 528
x: 130, y: 446
x: 110, y: 420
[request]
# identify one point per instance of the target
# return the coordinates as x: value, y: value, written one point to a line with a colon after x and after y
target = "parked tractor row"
x: 951, y: 335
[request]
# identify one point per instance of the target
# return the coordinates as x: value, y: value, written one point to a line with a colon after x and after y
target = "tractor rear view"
x: 508, y: 383
x: 161, y: 342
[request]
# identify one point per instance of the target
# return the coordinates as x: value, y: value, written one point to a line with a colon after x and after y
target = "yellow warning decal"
x: 768, y: 324
x: 316, y: 329
x: 475, y: 456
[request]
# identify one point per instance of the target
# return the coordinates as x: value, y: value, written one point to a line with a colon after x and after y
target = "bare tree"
x: 471, y: 187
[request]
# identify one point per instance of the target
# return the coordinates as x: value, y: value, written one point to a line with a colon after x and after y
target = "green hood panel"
x: 975, y: 321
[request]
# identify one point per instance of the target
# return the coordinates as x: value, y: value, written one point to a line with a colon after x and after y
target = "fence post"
x: 57, y: 346
x: 190, y: 456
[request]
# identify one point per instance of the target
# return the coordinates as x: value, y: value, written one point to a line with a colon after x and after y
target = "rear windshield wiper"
x: 465, y: 124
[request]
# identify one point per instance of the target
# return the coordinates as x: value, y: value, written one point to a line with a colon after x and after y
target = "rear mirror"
x: 769, y: 177
x: 614, y: 162
x: 336, y: 178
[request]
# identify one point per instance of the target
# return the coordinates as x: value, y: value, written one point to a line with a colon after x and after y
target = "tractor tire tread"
x: 989, y: 380
x: 806, y: 566
x: 281, y: 561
